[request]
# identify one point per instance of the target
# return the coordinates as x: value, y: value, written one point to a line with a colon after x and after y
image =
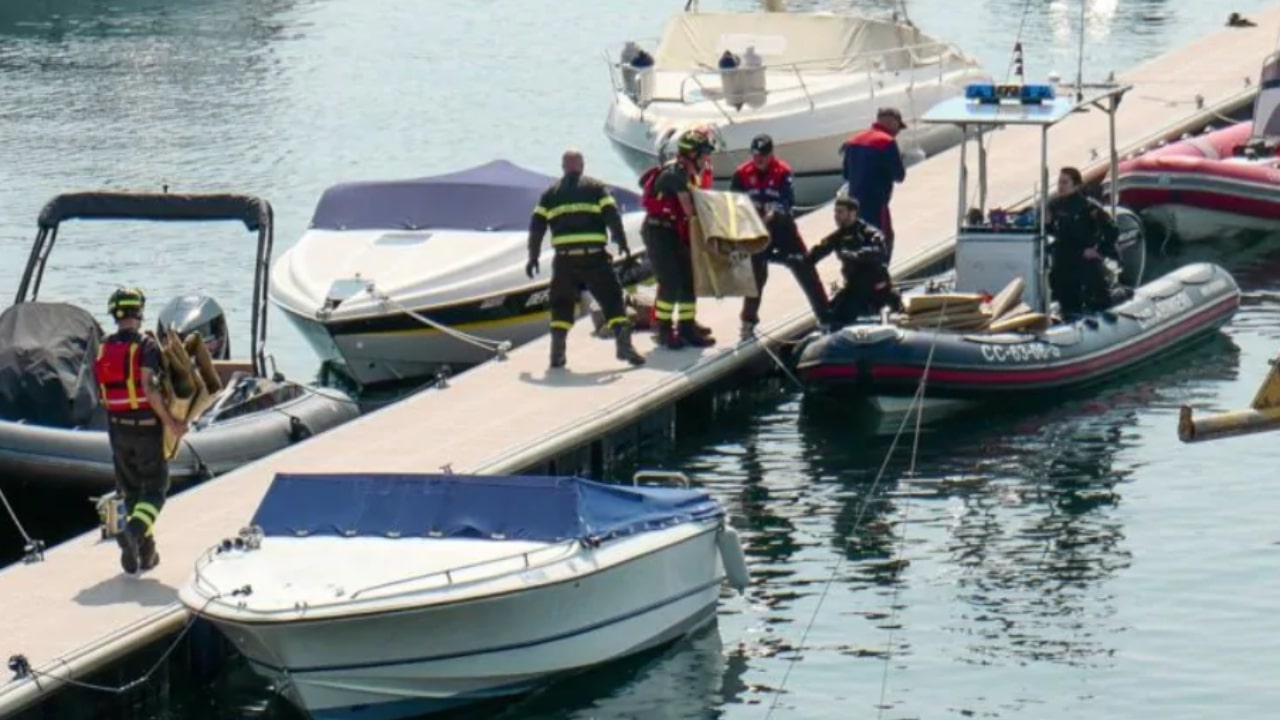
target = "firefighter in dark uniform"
x: 580, y: 213
x: 668, y: 214
x: 1084, y: 235
x: 127, y: 371
x: 863, y: 255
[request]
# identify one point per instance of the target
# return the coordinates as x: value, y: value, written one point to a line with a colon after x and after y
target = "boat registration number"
x: 1163, y: 309
x: 1025, y: 352
x: 538, y: 298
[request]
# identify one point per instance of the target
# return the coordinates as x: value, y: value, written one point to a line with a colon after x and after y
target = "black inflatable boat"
x: 1005, y: 341
x: 888, y: 360
x: 52, y: 427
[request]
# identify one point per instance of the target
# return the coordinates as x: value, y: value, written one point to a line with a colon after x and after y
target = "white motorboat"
x: 820, y: 78
x: 381, y: 597
x: 395, y: 280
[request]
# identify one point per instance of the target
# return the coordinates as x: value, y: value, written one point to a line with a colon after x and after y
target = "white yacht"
x: 808, y: 79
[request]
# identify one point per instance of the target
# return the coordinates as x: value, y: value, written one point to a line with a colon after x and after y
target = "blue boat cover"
x: 536, y: 508
x: 496, y: 196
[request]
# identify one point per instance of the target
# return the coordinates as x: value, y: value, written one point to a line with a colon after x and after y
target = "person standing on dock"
x: 127, y: 371
x: 872, y: 164
x: 669, y: 212
x: 770, y: 184
x: 580, y: 212
x: 864, y: 265
x: 1084, y: 236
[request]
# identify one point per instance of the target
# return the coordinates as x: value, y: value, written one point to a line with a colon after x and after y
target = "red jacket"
x: 774, y: 184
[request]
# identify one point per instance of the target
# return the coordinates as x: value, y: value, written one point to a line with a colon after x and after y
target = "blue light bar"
x: 991, y: 94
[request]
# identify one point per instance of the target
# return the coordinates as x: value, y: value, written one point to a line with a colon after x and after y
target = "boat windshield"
x: 1266, y: 108
x: 815, y: 42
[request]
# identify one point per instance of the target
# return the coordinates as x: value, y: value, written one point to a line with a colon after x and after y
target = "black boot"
x: 665, y: 336
x: 148, y: 558
x: 692, y: 335
x: 626, y: 351
x: 129, y: 539
x: 559, y: 339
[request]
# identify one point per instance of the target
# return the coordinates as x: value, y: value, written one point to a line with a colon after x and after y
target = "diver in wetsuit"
x: 1084, y: 235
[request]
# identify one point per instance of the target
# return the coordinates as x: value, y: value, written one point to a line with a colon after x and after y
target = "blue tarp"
x: 537, y: 508
x: 495, y: 196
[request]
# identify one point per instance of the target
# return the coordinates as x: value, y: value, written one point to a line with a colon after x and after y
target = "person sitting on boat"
x: 1084, y: 235
x: 872, y: 164
x: 863, y: 260
x: 769, y: 182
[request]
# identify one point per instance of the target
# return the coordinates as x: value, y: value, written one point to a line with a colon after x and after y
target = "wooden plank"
x: 75, y: 610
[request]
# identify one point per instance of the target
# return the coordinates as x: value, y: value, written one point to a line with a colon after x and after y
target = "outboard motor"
x: 198, y: 313
x: 1132, y: 247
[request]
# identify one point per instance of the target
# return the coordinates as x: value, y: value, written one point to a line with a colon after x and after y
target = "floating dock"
x: 74, y: 612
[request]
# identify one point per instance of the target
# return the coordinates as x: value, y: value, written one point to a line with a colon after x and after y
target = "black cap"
x: 762, y: 144
x: 890, y: 112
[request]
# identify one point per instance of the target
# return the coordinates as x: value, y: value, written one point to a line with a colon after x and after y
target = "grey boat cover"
x: 46, y: 365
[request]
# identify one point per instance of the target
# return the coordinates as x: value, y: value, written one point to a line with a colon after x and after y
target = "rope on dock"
x: 32, y: 549
x: 22, y: 669
x: 917, y: 405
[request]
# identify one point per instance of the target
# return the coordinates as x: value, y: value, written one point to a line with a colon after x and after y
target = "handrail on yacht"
x: 796, y: 68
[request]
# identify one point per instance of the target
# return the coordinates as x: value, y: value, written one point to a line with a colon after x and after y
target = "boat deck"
x: 75, y: 611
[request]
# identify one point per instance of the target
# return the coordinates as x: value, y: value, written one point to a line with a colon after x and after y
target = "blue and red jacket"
x: 872, y: 164
x: 774, y: 184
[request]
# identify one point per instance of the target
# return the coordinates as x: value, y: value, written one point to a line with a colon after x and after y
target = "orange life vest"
x: 118, y: 370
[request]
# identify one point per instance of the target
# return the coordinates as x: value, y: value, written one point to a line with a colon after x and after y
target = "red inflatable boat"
x: 1217, y: 183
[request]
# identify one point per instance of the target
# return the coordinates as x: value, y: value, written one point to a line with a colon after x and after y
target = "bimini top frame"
x: 988, y: 107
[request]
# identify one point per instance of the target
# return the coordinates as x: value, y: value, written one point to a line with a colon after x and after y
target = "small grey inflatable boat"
x: 52, y: 427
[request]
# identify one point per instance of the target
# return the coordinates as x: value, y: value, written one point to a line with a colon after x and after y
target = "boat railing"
x: 526, y: 559
x: 916, y: 59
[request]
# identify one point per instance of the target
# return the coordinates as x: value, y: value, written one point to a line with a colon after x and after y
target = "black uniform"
x: 863, y: 257
x: 785, y: 247
x: 580, y: 212
x: 142, y: 471
x: 1078, y: 222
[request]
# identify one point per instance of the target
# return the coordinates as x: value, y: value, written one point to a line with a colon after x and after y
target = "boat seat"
x: 227, y: 368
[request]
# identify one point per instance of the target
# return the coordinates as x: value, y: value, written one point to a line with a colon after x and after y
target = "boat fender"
x: 734, y: 561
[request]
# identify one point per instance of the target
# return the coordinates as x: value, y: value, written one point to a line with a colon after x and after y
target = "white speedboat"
x: 392, y: 596
x: 394, y: 280
x: 821, y: 78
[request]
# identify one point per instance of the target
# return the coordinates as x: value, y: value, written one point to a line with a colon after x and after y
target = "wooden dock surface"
x: 75, y: 611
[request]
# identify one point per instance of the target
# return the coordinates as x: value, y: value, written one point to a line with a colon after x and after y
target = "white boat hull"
x: 415, y: 353
x: 403, y: 664
x: 808, y: 125
x: 816, y: 162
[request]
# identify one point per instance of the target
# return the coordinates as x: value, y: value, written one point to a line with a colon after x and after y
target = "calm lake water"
x: 1071, y: 562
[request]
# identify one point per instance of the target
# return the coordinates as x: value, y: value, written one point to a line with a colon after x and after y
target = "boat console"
x: 996, y: 247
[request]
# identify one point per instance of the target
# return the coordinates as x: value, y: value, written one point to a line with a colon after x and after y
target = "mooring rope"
x: 32, y: 549
x: 917, y: 404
